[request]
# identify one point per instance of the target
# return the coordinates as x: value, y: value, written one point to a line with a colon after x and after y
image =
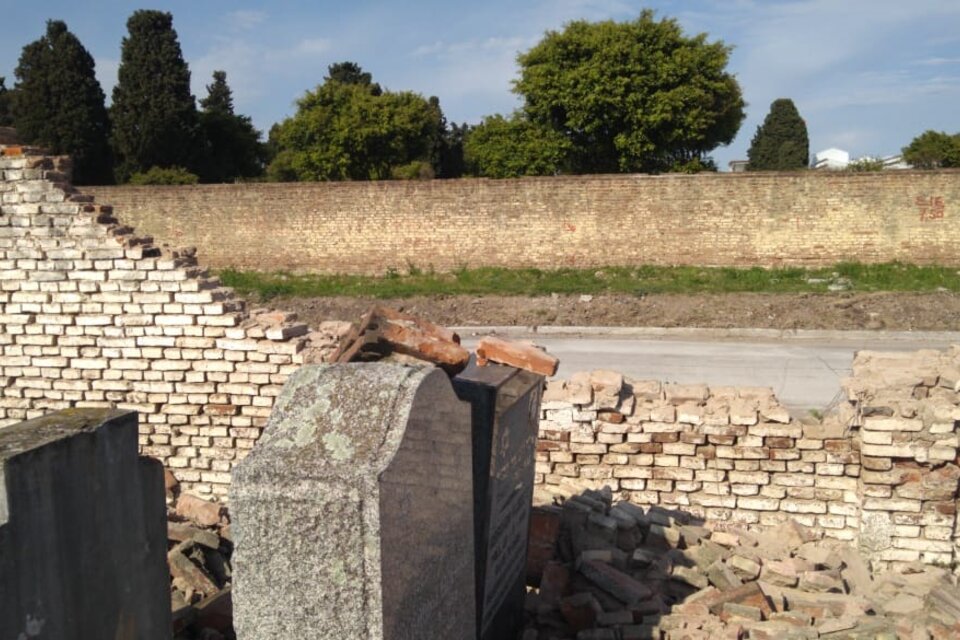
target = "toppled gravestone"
x: 82, y: 530
x: 353, y: 515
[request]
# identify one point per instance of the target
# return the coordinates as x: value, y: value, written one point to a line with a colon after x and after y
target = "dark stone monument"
x: 352, y: 516
x: 506, y: 414
x: 83, y: 530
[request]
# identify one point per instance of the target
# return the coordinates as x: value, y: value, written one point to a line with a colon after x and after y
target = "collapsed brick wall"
x: 92, y: 315
x: 880, y: 471
x: 762, y: 219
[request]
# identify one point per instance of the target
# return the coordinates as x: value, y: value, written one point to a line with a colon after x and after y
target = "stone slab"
x: 353, y: 515
x: 82, y: 530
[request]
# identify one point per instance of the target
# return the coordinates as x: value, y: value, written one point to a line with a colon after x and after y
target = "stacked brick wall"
x: 765, y: 219
x: 723, y: 454
x: 92, y: 315
x: 907, y: 413
x: 881, y: 470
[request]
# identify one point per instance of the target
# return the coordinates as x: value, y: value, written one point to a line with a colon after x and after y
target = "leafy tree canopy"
x: 502, y: 147
x: 164, y: 176
x: 351, y: 73
x: 631, y: 96
x: 231, y: 144
x: 154, y: 114
x: 933, y: 150
x: 781, y: 142
x: 348, y: 131
x: 6, y: 117
x: 58, y: 103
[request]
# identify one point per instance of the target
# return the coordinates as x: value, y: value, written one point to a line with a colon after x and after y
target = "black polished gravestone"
x: 505, y: 417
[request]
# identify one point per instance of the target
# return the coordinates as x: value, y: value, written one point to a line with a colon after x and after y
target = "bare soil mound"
x: 838, y: 311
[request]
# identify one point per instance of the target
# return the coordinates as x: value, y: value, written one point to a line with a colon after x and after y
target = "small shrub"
x: 416, y: 170
x: 865, y: 164
x: 164, y: 176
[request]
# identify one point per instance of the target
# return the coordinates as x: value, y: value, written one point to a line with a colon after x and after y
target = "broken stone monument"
x: 353, y: 515
x: 82, y: 530
x: 506, y: 412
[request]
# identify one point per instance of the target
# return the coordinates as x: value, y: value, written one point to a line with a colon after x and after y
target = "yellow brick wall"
x: 581, y: 221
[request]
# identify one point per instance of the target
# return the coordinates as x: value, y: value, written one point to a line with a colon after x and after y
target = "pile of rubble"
x: 199, y: 550
x: 606, y: 571
x: 388, y: 334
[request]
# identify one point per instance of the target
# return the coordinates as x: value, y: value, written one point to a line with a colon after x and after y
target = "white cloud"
x: 306, y: 47
x: 245, y: 19
x: 936, y: 62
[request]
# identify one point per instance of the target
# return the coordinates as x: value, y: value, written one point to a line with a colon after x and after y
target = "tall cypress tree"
x: 781, y: 142
x: 58, y: 103
x: 219, y: 95
x: 231, y: 144
x: 6, y: 117
x: 155, y: 121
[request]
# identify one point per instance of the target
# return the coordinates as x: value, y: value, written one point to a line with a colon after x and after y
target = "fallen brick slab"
x: 181, y: 532
x: 516, y: 354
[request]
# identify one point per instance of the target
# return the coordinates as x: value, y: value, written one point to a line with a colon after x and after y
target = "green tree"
x: 511, y: 147
x: 781, y: 142
x: 231, y: 145
x: 155, y: 121
x: 631, y: 96
x: 58, y: 103
x: 353, y: 131
x: 351, y: 73
x: 164, y: 176
x: 6, y: 117
x: 933, y: 150
x: 451, y: 156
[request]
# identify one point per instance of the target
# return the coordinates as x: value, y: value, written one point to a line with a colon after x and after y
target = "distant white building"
x: 831, y: 158
x: 738, y: 166
x: 895, y: 162
x: 834, y: 158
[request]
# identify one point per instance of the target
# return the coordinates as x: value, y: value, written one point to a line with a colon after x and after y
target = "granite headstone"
x: 353, y: 514
x: 83, y: 530
x: 505, y: 411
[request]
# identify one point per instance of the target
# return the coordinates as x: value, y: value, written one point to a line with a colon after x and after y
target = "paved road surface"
x: 804, y: 373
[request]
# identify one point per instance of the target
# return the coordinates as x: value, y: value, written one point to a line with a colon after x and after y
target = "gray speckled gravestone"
x: 353, y: 515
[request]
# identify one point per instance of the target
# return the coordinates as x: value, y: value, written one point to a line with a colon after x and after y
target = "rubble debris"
x: 200, y: 548
x: 388, y: 334
x: 622, y: 572
x: 522, y: 355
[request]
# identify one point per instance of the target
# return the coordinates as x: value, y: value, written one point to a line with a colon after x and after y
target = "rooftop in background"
x: 836, y: 159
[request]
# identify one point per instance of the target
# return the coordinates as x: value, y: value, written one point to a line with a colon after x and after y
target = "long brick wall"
x: 811, y: 218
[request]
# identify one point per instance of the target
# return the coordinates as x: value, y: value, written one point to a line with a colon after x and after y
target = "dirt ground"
x: 840, y: 311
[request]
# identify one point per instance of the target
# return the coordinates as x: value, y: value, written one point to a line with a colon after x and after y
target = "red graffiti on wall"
x: 569, y: 227
x: 930, y: 208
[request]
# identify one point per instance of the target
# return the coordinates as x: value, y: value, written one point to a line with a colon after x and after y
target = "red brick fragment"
x: 544, y: 531
x: 203, y: 512
x: 516, y: 354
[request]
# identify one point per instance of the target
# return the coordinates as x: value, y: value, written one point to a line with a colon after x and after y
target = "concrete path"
x: 804, y: 368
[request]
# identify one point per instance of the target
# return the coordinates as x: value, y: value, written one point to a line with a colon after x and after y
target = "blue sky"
x: 867, y: 75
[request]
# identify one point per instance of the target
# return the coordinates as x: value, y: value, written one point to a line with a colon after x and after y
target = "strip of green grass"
x: 622, y: 280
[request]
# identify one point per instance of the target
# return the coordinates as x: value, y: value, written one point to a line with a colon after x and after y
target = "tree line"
x: 604, y: 97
